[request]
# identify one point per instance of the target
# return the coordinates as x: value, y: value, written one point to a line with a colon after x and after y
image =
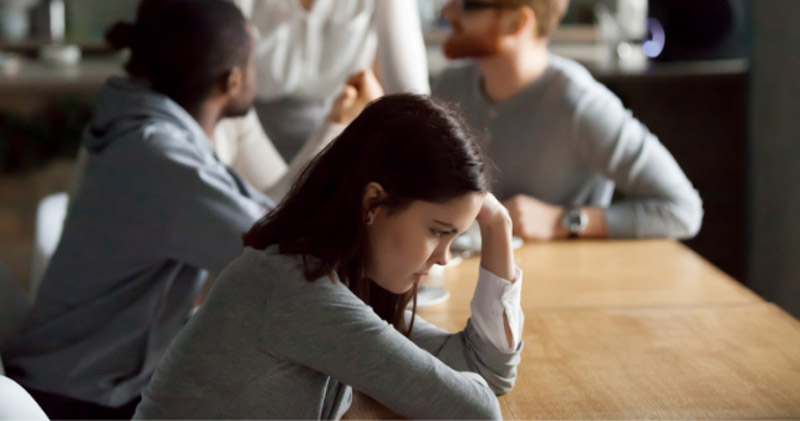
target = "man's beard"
x: 459, y: 45
x: 237, y: 110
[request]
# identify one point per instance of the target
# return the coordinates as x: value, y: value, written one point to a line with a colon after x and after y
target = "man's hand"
x: 534, y: 219
x: 360, y: 89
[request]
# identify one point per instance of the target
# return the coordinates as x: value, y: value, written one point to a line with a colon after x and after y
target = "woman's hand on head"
x: 360, y: 89
x: 493, y: 213
x: 497, y: 255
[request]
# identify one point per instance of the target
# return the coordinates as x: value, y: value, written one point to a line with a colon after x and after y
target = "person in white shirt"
x: 308, y: 48
x: 241, y: 143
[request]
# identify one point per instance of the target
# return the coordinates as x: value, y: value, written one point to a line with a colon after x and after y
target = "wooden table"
x: 593, y: 274
x: 635, y: 330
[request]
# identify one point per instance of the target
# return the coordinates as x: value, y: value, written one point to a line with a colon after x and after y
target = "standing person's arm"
x: 246, y: 6
x: 318, y: 140
x: 254, y: 156
x: 401, y: 58
x: 360, y: 89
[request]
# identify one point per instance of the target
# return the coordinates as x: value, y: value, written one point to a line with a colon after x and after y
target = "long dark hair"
x: 416, y: 148
x: 184, y: 47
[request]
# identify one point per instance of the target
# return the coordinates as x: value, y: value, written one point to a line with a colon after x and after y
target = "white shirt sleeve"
x: 495, y: 297
x: 242, y: 144
x: 246, y: 6
x: 401, y: 56
x: 313, y: 146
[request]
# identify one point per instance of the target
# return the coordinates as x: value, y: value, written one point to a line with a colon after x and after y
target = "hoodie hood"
x: 126, y: 104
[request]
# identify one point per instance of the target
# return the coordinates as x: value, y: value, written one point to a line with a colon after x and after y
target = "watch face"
x: 574, y: 221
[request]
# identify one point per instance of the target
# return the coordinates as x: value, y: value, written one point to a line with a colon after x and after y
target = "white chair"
x: 14, y: 305
x: 16, y: 403
x: 49, y: 223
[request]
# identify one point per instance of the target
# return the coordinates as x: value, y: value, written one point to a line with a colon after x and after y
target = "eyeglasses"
x: 475, y: 5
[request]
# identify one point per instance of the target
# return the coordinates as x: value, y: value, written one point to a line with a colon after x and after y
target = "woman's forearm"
x: 497, y: 255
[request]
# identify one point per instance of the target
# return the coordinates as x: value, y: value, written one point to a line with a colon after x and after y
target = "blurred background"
x: 716, y: 80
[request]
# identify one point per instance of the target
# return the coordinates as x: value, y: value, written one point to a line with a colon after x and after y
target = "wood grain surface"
x: 635, y: 330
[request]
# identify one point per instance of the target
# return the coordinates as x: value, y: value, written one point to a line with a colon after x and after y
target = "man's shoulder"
x: 139, y: 143
x: 165, y: 140
x: 577, y: 83
x: 163, y: 134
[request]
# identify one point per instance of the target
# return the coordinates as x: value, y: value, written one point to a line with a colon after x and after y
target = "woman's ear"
x: 374, y: 195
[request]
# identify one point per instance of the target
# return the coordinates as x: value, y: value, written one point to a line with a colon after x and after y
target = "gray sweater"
x: 154, y: 210
x: 567, y: 140
x: 270, y: 344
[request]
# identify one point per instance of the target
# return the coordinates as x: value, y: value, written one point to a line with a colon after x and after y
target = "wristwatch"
x: 574, y: 221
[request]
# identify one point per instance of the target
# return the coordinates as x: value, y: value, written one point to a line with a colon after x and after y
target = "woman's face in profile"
x: 404, y: 245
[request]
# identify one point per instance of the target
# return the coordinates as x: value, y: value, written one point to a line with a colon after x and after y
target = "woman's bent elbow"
x: 502, y: 385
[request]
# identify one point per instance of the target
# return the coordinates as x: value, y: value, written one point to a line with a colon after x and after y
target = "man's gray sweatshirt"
x: 567, y: 140
x: 155, y: 209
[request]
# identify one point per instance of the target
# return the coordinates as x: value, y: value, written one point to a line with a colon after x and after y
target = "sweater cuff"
x: 621, y: 221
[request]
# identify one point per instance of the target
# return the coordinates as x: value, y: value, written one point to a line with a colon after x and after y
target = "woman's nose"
x: 441, y: 255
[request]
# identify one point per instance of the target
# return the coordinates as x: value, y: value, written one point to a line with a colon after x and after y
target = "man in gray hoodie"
x: 155, y: 210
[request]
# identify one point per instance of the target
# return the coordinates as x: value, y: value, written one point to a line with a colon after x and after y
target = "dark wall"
x: 775, y: 153
x: 698, y: 111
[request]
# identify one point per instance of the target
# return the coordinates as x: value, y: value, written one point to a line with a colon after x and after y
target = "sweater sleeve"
x: 200, y: 207
x: 255, y: 158
x: 469, y: 351
x: 401, y: 50
x: 660, y: 201
x: 335, y: 333
x: 483, y: 346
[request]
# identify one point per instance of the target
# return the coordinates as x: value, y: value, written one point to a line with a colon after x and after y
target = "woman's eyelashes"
x: 444, y: 233
x: 439, y: 233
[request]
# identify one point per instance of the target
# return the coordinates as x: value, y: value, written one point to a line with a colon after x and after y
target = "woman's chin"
x: 399, y: 288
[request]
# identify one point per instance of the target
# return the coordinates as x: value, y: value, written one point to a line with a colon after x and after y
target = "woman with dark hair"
x: 318, y: 302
